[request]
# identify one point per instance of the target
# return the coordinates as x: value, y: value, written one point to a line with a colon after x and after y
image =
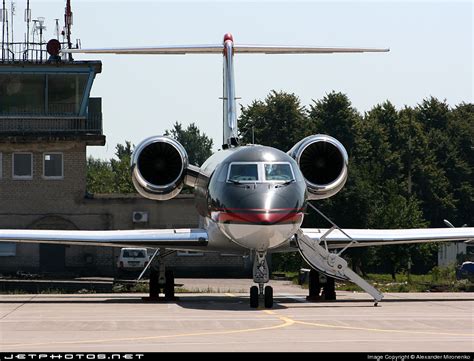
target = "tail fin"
x: 227, y: 49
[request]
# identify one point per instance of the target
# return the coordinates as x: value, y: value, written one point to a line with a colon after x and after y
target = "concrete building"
x: 47, y: 120
x: 452, y: 253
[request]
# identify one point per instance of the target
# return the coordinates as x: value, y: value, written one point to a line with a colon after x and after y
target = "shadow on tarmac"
x: 216, y: 303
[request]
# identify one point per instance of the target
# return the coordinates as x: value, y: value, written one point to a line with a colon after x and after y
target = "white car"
x: 132, y: 259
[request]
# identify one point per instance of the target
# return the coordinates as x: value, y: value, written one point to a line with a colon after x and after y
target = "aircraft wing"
x: 150, y: 238
x: 379, y: 237
x: 219, y: 49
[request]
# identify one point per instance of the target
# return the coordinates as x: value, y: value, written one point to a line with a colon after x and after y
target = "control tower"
x: 47, y: 121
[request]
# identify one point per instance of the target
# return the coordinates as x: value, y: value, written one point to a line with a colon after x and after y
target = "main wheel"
x: 314, y: 285
x: 154, y: 289
x: 268, y: 297
x: 254, y: 296
x: 169, y: 285
x: 329, y: 290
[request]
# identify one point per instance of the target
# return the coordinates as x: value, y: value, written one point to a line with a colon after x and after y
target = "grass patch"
x: 439, y: 279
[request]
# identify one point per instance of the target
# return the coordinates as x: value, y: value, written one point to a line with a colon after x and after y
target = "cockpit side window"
x: 243, y: 172
x: 278, y: 172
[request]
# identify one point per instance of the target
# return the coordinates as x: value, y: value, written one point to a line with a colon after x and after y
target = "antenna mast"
x: 4, y: 11
x: 27, y: 20
x: 13, y: 9
x: 68, y: 23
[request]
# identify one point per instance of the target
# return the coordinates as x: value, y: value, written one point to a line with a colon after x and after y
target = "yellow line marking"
x: 382, y: 330
x: 229, y: 294
x: 286, y: 322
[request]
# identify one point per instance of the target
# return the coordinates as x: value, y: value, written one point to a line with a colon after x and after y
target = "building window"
x: 53, y: 165
x: 7, y: 249
x: 22, y: 165
x: 189, y: 253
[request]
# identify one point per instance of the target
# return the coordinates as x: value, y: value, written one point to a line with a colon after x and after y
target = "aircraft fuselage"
x: 253, y: 195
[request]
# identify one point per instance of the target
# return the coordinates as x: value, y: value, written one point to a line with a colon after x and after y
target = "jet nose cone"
x: 263, y: 209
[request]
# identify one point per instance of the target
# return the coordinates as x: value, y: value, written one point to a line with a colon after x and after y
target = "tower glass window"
x: 22, y: 94
x: 42, y: 94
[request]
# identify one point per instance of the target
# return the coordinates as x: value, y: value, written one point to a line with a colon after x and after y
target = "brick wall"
x: 43, y: 195
x: 61, y: 204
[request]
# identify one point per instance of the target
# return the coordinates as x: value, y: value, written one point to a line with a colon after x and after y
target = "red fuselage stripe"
x: 260, y: 217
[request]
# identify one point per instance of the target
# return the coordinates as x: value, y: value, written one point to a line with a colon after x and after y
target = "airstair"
x: 332, y: 264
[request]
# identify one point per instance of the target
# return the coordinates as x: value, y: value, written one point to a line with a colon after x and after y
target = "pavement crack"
x: 17, y: 308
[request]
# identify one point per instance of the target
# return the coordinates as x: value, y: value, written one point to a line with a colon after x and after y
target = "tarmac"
x: 223, y: 321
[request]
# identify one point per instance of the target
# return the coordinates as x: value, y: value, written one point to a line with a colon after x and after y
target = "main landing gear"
x: 161, y: 279
x: 261, y: 275
x: 320, y: 287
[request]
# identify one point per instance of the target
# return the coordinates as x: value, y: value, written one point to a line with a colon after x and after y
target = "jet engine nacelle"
x: 159, y: 167
x: 323, y: 161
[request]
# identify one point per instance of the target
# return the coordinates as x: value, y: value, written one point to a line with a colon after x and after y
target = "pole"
x: 13, y: 13
x: 67, y: 22
x: 3, y: 31
x: 27, y: 19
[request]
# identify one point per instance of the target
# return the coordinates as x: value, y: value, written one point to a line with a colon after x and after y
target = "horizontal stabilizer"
x: 219, y: 49
x: 290, y: 49
x: 170, y: 49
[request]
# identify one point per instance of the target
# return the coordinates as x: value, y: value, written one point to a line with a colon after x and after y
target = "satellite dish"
x: 53, y: 47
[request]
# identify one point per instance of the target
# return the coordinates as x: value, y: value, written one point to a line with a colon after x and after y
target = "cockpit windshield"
x: 260, y: 172
x: 278, y: 172
x: 243, y: 172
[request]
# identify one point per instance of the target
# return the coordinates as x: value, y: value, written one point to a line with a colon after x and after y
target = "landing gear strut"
x: 261, y: 275
x: 161, y: 279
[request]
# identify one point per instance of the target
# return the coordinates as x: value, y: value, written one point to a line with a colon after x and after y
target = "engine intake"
x: 323, y: 162
x: 159, y: 167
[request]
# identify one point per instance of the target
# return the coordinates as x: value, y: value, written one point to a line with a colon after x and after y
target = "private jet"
x: 251, y: 199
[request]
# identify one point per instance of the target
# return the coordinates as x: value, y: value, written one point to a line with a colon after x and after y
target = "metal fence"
x: 50, y: 125
x: 31, y: 52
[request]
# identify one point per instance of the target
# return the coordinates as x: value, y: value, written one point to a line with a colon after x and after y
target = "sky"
x: 431, y: 54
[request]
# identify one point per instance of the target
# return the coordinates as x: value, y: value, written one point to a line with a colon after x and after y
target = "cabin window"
x: 243, y: 172
x: 278, y: 172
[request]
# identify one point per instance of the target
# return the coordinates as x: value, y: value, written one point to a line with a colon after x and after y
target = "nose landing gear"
x: 261, y: 275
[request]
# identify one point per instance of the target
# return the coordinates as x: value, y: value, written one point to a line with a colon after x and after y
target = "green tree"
x: 121, y: 169
x: 279, y: 121
x: 334, y: 115
x: 100, y: 178
x: 112, y: 176
x: 198, y: 145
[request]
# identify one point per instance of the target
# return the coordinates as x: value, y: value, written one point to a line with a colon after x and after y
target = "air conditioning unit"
x: 140, y: 217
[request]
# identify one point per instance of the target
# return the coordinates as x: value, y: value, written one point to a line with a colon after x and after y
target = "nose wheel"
x: 261, y: 275
x: 266, y: 296
x: 254, y: 296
